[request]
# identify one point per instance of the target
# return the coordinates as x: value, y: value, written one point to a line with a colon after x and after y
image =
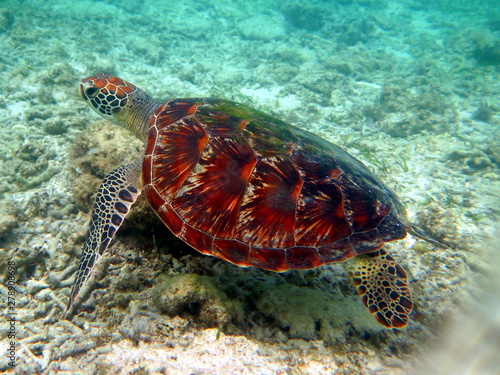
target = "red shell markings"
x: 235, y: 183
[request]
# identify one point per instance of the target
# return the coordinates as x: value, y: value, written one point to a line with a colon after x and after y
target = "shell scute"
x: 336, y: 252
x: 229, y: 108
x: 174, y: 110
x: 321, y: 218
x: 313, y: 164
x: 267, y: 214
x: 220, y: 123
x: 233, y: 251
x: 365, y: 242
x: 197, y: 239
x: 154, y: 198
x: 269, y: 140
x: 211, y: 195
x: 391, y: 228
x: 361, y: 203
x: 151, y: 141
x: 175, y: 154
x: 170, y: 217
x: 269, y: 259
x: 302, y: 258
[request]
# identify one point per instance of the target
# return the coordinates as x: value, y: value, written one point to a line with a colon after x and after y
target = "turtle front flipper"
x: 118, y: 191
x: 383, y: 286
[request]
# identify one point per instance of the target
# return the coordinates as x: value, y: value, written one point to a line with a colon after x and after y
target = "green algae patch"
x: 191, y: 295
x: 310, y: 314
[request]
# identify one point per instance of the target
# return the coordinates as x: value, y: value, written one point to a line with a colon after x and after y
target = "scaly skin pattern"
x: 238, y: 184
x: 117, y: 193
x: 382, y: 285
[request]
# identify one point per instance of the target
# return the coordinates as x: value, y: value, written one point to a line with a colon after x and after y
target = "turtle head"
x: 119, y: 101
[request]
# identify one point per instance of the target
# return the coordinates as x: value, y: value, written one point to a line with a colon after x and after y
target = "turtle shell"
x: 238, y: 184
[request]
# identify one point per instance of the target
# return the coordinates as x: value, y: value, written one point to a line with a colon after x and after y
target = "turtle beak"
x: 88, y: 90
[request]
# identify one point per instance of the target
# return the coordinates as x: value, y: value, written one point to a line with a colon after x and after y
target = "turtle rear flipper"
x: 383, y: 286
x: 118, y: 191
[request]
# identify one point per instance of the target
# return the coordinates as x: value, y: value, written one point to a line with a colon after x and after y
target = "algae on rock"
x: 197, y: 296
x: 311, y: 314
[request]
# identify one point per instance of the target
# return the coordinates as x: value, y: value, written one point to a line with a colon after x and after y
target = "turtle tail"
x: 421, y: 234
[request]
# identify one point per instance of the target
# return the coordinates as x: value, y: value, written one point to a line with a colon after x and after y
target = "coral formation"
x: 196, y: 296
x: 487, y: 54
x: 303, y: 15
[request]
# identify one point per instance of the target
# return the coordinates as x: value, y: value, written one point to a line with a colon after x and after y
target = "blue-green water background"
x: 409, y: 87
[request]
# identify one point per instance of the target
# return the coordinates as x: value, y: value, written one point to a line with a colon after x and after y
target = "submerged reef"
x: 487, y: 54
x: 304, y: 15
x: 196, y: 296
x: 6, y: 20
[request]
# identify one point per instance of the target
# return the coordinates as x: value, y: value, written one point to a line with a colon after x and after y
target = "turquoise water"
x: 410, y: 88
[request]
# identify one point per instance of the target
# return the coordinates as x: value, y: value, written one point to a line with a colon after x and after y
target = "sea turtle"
x: 238, y: 184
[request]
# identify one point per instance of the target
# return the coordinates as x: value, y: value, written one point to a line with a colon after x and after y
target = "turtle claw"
x: 383, y: 287
x: 118, y: 191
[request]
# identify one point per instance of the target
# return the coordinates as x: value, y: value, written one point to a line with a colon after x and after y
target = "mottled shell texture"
x: 246, y: 187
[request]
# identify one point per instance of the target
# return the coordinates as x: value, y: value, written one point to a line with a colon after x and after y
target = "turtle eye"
x: 91, y: 92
